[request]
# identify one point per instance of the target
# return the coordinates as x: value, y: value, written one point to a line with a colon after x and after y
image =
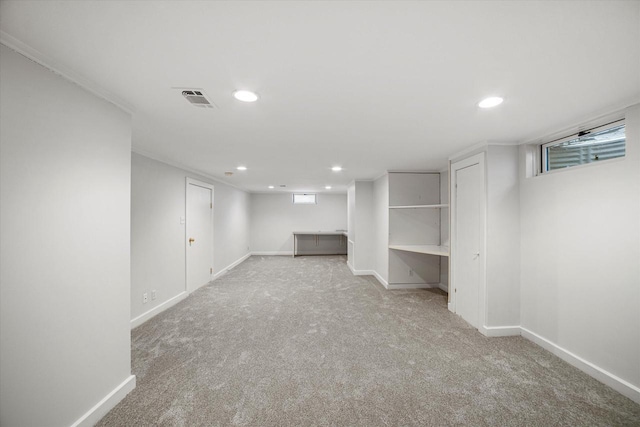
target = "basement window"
x: 304, y: 199
x: 589, y: 146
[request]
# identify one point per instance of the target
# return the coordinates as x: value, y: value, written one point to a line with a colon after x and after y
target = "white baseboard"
x: 96, y: 413
x: 412, y: 285
x: 360, y: 272
x: 618, y: 384
x: 443, y: 287
x: 364, y: 273
x: 137, y: 321
x: 500, y: 331
x: 380, y: 279
x: 231, y: 266
x: 351, y: 268
x: 182, y: 295
x: 273, y: 253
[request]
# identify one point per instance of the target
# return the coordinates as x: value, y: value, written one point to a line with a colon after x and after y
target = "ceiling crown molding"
x: 57, y: 68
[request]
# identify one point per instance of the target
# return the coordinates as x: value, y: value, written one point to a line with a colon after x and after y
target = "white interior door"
x: 199, y: 234
x: 467, y: 242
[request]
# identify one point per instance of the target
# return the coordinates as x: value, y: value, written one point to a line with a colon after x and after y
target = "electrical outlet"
x: 153, y: 294
x: 410, y: 273
x: 145, y: 298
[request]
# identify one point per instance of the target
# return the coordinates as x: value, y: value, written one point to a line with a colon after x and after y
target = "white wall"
x: 351, y: 211
x: 274, y: 217
x: 503, y: 236
x: 64, y: 221
x: 580, y: 253
x: 364, y: 226
x: 444, y: 227
x: 158, y: 238
x: 381, y: 226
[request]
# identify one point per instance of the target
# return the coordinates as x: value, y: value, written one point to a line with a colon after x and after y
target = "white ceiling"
x: 369, y: 86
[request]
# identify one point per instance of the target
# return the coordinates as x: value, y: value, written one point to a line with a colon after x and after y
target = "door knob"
x: 476, y: 255
x: 191, y: 240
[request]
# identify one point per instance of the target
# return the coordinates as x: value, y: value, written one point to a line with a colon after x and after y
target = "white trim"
x: 137, y: 321
x: 353, y: 271
x: 360, y: 272
x: 480, y: 160
x: 182, y: 295
x: 63, y: 71
x: 277, y: 191
x: 412, y: 171
x: 443, y: 287
x: 499, y: 331
x: 477, y: 148
x: 392, y: 286
x: 480, y: 146
x: 272, y: 253
x: 93, y: 415
x: 376, y: 177
x: 586, y: 122
x: 192, y: 181
x: 185, y: 168
x: 231, y: 266
x: 380, y: 279
x: 618, y: 384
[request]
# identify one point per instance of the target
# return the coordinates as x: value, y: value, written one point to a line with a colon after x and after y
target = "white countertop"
x: 326, y: 233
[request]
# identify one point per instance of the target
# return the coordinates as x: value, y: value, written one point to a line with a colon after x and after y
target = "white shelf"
x: 423, y: 249
x: 420, y: 207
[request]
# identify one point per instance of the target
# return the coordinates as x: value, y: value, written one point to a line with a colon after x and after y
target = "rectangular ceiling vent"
x: 197, y: 98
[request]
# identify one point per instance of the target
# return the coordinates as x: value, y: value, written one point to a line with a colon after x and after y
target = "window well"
x: 304, y: 199
x: 590, y: 146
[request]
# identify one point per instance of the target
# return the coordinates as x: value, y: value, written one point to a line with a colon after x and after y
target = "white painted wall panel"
x: 381, y: 222
x: 158, y: 238
x: 274, y: 217
x: 414, y: 189
x: 351, y: 211
x: 444, y: 226
x: 579, y: 257
x: 364, y: 225
x: 65, y: 221
x: 503, y: 236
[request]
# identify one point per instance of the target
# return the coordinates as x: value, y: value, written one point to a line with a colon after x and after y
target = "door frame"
x: 192, y: 181
x: 478, y: 159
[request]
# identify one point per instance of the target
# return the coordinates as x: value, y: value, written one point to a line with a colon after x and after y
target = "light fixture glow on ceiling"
x: 245, y: 96
x: 490, y: 102
x: 242, y: 168
x: 271, y: 187
x: 328, y: 187
x: 336, y: 168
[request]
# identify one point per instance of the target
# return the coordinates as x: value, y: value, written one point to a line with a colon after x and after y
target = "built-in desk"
x: 320, y: 242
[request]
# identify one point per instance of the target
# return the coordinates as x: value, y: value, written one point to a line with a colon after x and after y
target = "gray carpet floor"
x: 302, y: 342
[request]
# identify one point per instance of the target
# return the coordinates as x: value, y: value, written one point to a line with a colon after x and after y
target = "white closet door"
x: 199, y: 235
x: 468, y: 226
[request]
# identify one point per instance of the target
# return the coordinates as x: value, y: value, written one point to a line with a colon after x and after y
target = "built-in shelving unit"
x: 415, y: 247
x: 423, y: 249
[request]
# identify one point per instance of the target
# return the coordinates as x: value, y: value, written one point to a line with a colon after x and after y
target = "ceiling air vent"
x: 197, y: 98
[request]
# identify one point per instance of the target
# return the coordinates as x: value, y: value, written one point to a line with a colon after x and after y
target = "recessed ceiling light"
x: 271, y: 187
x: 336, y: 168
x: 242, y: 168
x: 245, y: 96
x: 328, y: 187
x: 490, y: 102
